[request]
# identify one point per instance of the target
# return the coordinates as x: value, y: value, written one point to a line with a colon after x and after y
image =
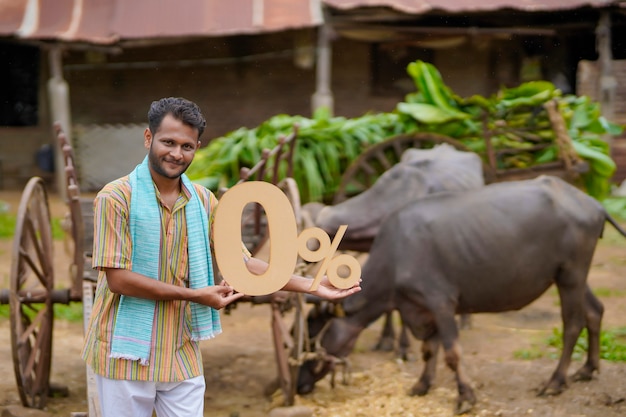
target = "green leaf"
x: 611, y: 128
x: 427, y: 113
x: 322, y: 113
x: 547, y: 155
x: 528, y: 89
x: 600, y: 162
x: 535, y: 100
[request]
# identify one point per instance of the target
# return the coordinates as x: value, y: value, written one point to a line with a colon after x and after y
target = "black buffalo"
x: 494, y: 249
x: 419, y: 173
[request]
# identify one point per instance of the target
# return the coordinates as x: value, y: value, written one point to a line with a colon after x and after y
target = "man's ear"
x: 147, y: 138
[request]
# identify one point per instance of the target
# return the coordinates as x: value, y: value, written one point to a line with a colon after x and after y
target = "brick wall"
x: 231, y: 94
x: 587, y: 84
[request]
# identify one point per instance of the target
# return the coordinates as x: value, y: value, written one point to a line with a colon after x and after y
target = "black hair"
x: 182, y: 109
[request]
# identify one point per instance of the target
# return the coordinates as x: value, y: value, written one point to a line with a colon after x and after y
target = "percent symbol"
x: 326, y: 251
x: 285, y: 244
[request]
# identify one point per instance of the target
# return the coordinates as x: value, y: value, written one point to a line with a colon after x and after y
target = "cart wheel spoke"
x: 30, y: 329
x: 34, y: 347
x: 26, y: 258
x: 383, y: 160
x: 32, y: 281
x: 39, y: 257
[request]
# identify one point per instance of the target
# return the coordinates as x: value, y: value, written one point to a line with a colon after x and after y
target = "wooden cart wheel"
x: 289, y: 343
x: 32, y: 281
x: 365, y: 170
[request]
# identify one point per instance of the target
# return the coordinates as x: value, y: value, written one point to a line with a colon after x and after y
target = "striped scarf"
x: 132, y: 334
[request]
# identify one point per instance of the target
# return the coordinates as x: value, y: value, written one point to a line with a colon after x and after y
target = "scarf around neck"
x: 132, y: 333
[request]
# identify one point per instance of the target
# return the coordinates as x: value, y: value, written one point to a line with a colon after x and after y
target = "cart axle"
x: 40, y: 296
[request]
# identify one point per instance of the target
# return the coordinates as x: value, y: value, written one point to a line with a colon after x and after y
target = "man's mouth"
x: 173, y: 162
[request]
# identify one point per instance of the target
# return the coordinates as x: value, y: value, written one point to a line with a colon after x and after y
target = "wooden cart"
x: 365, y: 170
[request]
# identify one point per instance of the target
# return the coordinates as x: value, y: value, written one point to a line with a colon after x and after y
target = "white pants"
x: 121, y: 398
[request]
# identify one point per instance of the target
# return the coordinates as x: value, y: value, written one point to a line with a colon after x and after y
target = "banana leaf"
x: 429, y: 114
x: 326, y: 145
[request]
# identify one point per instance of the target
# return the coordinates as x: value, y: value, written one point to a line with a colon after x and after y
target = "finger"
x: 233, y: 297
x: 222, y: 289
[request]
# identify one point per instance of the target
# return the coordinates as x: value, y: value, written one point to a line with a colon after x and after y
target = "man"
x: 156, y: 298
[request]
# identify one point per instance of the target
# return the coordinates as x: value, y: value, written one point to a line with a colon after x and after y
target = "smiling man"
x: 156, y: 298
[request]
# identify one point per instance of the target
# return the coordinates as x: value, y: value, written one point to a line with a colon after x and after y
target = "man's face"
x: 172, y: 148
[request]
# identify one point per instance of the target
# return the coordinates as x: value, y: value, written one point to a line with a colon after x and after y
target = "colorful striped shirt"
x: 174, y: 356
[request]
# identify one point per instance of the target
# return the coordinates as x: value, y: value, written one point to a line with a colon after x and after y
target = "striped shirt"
x: 173, y: 356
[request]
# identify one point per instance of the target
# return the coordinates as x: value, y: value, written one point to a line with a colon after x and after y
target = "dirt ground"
x: 240, y: 364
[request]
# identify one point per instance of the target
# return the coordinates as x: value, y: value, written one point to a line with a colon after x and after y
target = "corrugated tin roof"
x: 425, y: 6
x: 108, y: 21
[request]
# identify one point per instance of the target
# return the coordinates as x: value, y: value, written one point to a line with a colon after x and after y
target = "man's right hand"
x: 217, y: 297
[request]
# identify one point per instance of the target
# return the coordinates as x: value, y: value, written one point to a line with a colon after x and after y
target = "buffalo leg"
x: 573, y: 316
x: 593, y: 315
x: 387, y: 338
x: 404, y: 343
x: 449, y: 334
x: 430, y: 348
x: 466, y: 398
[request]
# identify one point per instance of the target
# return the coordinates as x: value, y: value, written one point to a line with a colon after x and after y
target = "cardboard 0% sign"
x: 285, y: 244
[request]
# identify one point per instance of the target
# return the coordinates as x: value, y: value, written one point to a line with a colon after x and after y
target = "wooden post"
x: 566, y: 150
x: 607, y: 82
x: 93, y: 404
x: 58, y: 94
x: 323, y: 96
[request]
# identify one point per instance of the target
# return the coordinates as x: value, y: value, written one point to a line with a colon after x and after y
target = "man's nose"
x: 177, y: 152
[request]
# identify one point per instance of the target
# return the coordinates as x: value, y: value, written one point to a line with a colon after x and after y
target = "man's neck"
x: 168, y: 188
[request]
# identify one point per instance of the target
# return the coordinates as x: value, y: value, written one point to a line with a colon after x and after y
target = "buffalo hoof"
x: 405, y: 356
x: 553, y: 387
x: 420, y: 389
x: 463, y: 407
x: 584, y: 374
x: 465, y: 322
x: 385, y: 344
x: 466, y: 400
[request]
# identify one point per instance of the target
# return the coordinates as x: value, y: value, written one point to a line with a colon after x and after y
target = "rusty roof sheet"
x: 453, y: 6
x: 109, y: 21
